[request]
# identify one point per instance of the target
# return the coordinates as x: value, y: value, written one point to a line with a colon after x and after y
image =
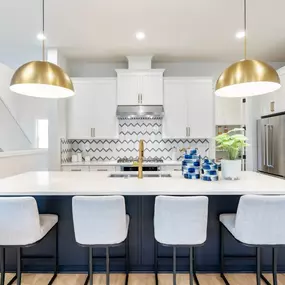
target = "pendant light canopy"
x: 42, y: 79
x: 247, y: 77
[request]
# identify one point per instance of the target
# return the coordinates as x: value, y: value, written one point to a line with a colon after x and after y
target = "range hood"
x: 140, y: 111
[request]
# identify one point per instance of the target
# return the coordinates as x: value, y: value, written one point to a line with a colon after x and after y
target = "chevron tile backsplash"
x: 131, y: 131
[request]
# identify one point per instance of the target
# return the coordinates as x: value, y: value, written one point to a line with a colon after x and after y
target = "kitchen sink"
x: 148, y: 175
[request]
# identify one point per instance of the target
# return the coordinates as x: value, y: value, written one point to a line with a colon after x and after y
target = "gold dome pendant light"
x: 41, y: 78
x: 247, y: 77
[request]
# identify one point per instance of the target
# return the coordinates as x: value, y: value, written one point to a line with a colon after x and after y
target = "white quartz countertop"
x: 98, y: 183
x: 115, y: 163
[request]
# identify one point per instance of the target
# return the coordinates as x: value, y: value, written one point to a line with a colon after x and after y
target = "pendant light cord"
x: 43, y: 26
x: 245, y: 28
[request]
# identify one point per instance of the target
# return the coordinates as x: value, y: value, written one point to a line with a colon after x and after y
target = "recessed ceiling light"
x: 41, y: 37
x: 140, y: 36
x: 240, y: 34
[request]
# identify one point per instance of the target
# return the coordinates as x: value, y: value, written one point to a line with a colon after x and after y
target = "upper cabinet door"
x: 79, y: 110
x: 175, y: 121
x: 152, y: 89
x: 92, y: 111
x: 200, y: 101
x: 128, y: 85
x: 104, y: 109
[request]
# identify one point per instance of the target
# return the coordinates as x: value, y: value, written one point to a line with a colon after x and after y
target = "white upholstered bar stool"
x: 101, y: 222
x: 180, y: 222
x: 257, y: 223
x: 22, y: 226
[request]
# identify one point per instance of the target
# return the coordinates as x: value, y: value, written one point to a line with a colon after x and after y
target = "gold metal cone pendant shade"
x: 247, y: 78
x: 42, y: 79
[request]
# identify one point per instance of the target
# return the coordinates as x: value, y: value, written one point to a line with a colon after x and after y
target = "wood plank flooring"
x: 141, y: 279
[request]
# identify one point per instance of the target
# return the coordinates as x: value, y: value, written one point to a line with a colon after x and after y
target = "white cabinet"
x: 128, y: 89
x: 228, y: 111
x: 189, y: 108
x: 172, y: 168
x: 140, y: 87
x: 175, y: 121
x: 152, y: 89
x: 200, y: 110
x: 75, y: 168
x: 103, y: 168
x: 91, y: 112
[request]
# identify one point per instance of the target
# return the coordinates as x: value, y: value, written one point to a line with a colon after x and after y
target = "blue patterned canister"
x: 209, y: 170
x: 191, y: 164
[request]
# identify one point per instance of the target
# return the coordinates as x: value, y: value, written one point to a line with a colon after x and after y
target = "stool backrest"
x: 19, y: 221
x: 259, y: 220
x: 181, y: 220
x: 99, y: 220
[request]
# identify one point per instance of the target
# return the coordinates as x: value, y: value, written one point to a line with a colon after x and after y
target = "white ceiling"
x: 201, y: 30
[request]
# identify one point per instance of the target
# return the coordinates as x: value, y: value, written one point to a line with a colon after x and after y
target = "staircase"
x: 12, y: 135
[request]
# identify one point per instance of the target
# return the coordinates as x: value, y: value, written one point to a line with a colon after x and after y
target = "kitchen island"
x: 54, y: 190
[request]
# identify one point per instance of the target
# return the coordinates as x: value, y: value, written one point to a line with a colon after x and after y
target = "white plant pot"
x: 231, y: 169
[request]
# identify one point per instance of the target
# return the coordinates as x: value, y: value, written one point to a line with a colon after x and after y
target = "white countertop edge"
x: 22, y: 152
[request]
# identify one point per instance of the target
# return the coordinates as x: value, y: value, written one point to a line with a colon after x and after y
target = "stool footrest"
x: 38, y: 257
x: 12, y: 280
x: 239, y: 256
x: 227, y: 282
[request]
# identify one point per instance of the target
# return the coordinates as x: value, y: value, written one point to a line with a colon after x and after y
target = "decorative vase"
x: 231, y: 169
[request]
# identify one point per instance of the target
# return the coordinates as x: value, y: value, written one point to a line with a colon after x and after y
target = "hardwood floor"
x: 141, y: 279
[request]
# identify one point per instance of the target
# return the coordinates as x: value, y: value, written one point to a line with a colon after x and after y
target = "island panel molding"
x: 131, y: 131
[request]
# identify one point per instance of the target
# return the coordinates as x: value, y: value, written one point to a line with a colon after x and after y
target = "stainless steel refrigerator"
x: 271, y: 145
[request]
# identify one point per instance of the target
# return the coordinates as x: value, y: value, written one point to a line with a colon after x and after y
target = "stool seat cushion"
x: 258, y: 220
x: 181, y: 220
x: 47, y: 222
x: 229, y: 220
x: 20, y: 223
x: 100, y: 220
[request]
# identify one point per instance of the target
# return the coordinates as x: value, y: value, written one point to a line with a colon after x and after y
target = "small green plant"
x: 232, y: 142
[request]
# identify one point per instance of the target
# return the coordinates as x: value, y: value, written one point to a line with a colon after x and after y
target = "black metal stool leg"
x: 258, y: 269
x: 174, y: 265
x: 19, y: 266
x: 127, y: 244
x: 90, y: 269
x: 222, y: 253
x: 2, y: 265
x: 274, y: 263
x: 55, y: 256
x: 194, y: 267
x: 107, y: 266
x: 156, y: 261
x: 191, y: 266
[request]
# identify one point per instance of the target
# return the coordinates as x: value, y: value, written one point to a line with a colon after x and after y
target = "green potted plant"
x: 232, y: 142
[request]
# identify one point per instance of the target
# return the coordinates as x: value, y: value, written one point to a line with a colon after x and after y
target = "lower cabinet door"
x: 74, y: 168
x: 102, y: 168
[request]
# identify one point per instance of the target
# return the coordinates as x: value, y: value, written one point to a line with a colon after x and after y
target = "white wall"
x: 13, y: 163
x: 57, y: 117
x: 85, y: 68
x: 12, y: 135
x: 28, y: 111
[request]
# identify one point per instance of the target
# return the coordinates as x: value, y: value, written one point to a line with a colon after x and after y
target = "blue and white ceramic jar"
x: 191, y: 164
x: 209, y: 170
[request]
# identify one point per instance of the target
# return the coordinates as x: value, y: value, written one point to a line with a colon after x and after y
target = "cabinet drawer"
x: 102, y: 168
x: 172, y: 168
x: 75, y: 168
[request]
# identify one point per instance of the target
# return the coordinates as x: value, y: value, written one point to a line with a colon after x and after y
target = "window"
x: 42, y: 133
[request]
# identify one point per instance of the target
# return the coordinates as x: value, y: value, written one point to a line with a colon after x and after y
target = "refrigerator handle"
x: 271, y: 147
x: 265, y: 146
